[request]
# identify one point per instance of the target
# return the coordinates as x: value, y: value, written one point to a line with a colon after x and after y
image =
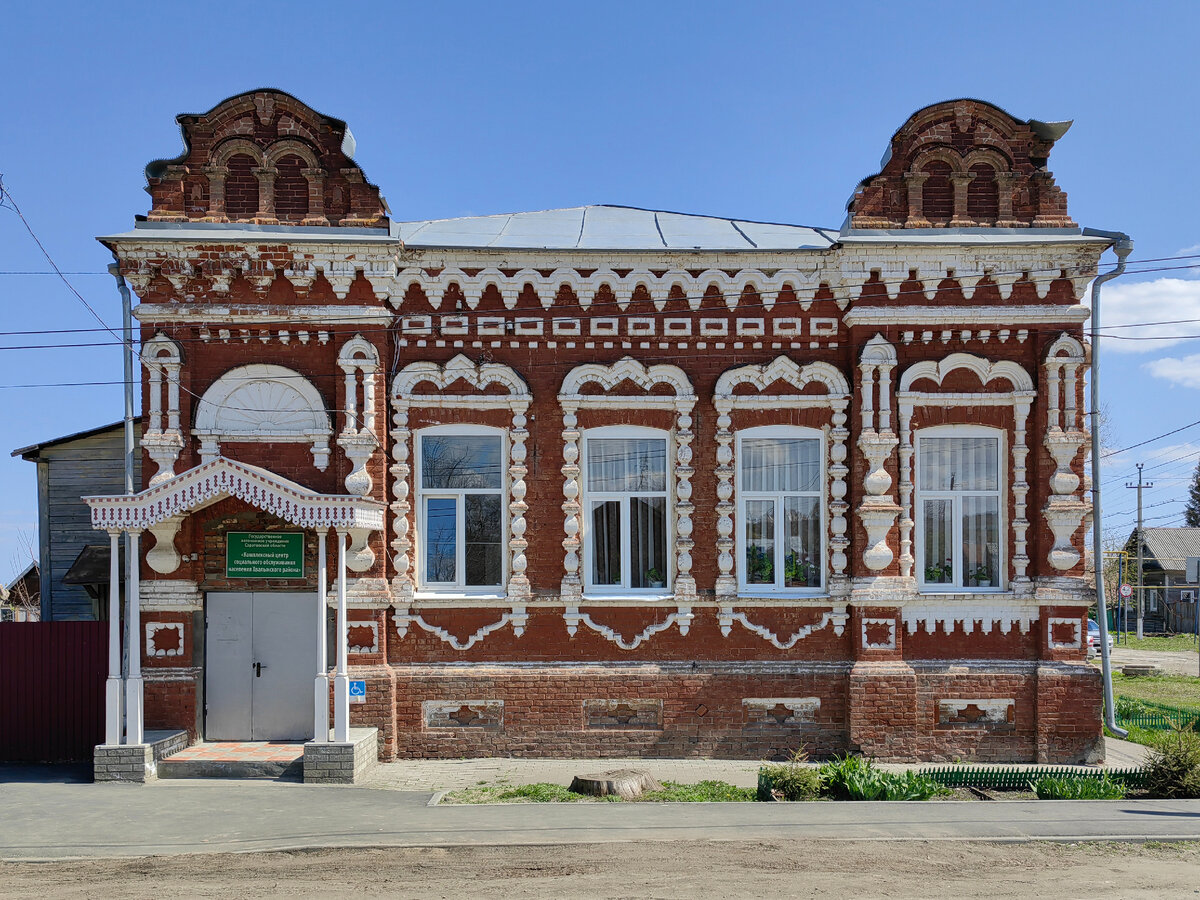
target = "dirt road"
x: 660, y: 870
x: 1172, y: 662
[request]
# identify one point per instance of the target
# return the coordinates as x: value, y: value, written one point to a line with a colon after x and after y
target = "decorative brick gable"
x: 266, y: 158
x: 964, y: 164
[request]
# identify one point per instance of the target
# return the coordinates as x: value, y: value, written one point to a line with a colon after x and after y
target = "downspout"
x: 127, y: 353
x: 1122, y: 246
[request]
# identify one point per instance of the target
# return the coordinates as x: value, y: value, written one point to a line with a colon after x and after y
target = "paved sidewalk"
x: 66, y: 821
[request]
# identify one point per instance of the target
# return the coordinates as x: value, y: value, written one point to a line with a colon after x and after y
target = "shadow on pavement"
x: 61, y: 773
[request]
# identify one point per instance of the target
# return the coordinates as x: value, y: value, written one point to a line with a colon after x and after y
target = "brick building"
x: 610, y: 481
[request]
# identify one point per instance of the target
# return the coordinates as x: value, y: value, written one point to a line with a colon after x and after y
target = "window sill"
x: 964, y: 592
x: 782, y: 595
x: 457, y: 595
x: 625, y: 598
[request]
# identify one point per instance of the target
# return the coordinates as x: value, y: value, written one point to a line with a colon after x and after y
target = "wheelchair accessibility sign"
x: 358, y: 692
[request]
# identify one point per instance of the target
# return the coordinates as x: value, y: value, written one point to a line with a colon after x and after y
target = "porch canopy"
x: 220, y: 478
x: 165, y: 504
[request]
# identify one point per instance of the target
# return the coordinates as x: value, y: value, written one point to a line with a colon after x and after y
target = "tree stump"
x: 623, y: 783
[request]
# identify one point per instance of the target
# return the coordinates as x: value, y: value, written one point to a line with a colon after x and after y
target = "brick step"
x: 173, y: 767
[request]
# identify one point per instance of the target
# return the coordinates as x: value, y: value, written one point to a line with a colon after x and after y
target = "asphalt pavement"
x: 70, y: 820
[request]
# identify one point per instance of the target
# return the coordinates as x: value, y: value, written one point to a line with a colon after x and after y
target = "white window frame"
x: 957, y: 586
x: 777, y: 590
x: 460, y: 588
x: 594, y: 591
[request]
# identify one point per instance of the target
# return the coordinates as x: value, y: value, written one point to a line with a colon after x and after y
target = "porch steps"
x: 248, y: 759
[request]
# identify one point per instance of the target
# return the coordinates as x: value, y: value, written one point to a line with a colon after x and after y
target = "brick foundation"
x: 886, y: 710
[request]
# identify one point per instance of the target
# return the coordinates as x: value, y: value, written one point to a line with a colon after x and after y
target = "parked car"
x: 1094, y: 639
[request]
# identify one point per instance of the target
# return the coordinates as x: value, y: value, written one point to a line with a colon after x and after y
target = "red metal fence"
x: 52, y: 690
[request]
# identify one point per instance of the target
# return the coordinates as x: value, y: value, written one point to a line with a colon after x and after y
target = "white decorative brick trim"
x: 156, y: 646
x: 574, y: 618
x: 571, y: 399
x: 953, y: 615
x: 162, y: 595
x: 1076, y: 641
x: 1021, y: 398
x: 516, y: 398
x: 262, y: 403
x: 889, y: 644
x: 727, y: 400
x: 726, y: 617
x: 373, y: 647
x: 201, y: 486
x: 403, y: 619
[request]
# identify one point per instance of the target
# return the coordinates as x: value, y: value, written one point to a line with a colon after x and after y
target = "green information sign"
x: 264, y: 554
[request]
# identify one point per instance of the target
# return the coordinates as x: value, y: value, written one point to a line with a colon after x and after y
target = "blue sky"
x: 766, y: 111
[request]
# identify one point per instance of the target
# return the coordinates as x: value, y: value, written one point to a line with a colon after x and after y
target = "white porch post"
x: 341, y: 680
x: 133, y: 685
x: 321, y: 684
x: 112, y: 687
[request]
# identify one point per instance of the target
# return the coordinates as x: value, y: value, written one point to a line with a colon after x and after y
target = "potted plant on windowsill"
x: 654, y: 579
x: 981, y: 577
x: 936, y: 574
x: 796, y: 571
x: 760, y: 569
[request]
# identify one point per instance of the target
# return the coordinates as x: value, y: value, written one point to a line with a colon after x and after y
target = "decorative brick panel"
x: 992, y: 714
x: 483, y: 714
x: 623, y: 713
x: 780, y: 712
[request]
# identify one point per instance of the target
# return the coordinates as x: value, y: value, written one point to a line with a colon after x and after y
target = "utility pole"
x: 1140, y: 590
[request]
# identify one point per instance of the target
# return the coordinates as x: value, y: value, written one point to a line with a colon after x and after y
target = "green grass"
x: 544, y: 792
x: 1173, y: 690
x: 1144, y: 736
x: 703, y: 792
x: 1154, y: 641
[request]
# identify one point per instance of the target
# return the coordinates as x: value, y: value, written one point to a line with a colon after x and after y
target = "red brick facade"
x: 902, y: 322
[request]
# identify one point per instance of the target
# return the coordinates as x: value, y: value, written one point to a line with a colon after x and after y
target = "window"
x: 959, y: 527
x: 460, y: 503
x: 779, y: 492
x: 625, y: 510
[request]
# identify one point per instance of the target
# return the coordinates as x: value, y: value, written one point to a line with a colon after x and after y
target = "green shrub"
x: 794, y: 779
x: 1173, y: 769
x: 1080, y: 787
x: 1127, y: 708
x: 910, y: 786
x: 857, y: 778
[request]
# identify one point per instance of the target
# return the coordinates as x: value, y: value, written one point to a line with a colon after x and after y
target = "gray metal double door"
x: 259, y: 667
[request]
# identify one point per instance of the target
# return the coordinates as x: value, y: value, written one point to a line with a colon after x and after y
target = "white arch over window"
x: 836, y: 398
x: 681, y: 401
x: 262, y: 402
x: 1020, y: 397
x: 517, y: 398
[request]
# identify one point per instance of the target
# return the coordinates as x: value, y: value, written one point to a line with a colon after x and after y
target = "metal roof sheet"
x: 1172, y: 546
x: 609, y: 228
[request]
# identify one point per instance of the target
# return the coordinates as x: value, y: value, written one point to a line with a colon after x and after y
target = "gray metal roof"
x: 1172, y: 546
x: 610, y: 228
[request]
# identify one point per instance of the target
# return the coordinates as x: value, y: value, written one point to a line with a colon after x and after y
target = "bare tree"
x: 26, y: 600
